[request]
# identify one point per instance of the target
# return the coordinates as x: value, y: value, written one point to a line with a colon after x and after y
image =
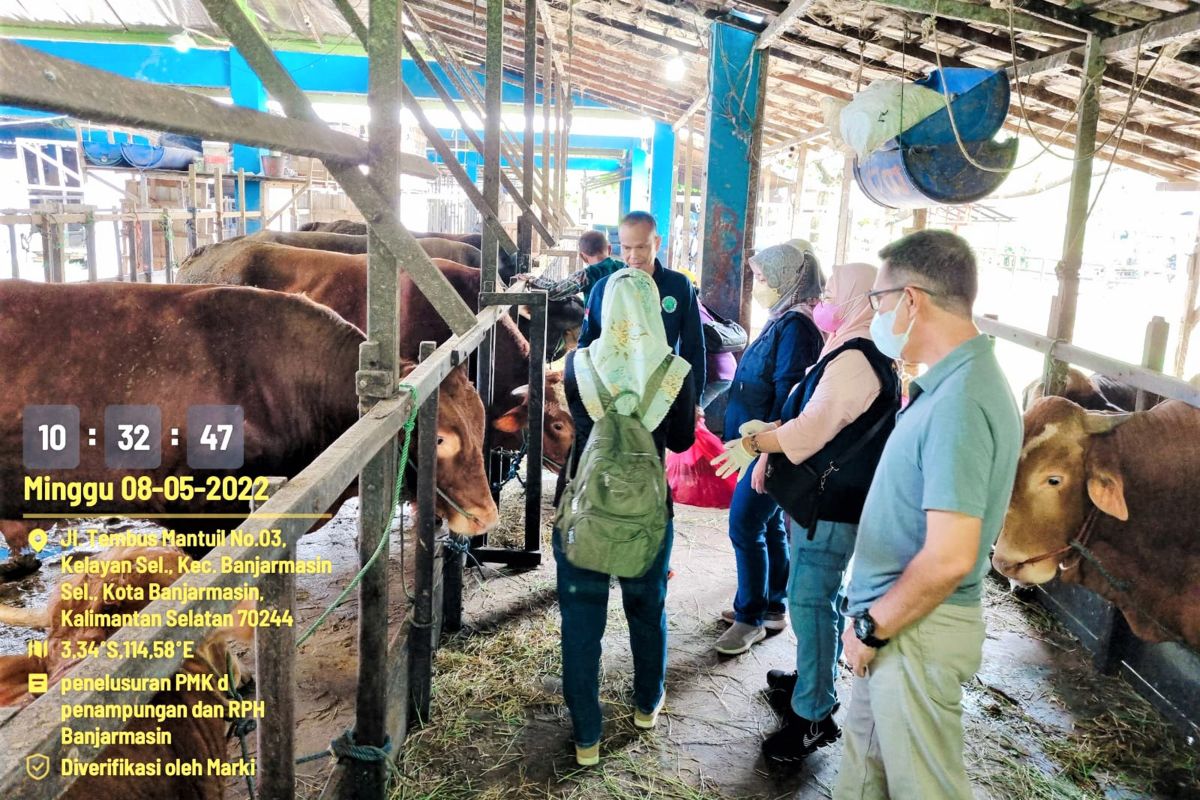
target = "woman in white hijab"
x: 631, y: 347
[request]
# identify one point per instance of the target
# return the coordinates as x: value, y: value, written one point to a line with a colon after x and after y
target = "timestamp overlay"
x: 188, y: 478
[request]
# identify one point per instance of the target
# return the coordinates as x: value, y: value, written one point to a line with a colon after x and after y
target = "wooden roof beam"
x: 964, y: 11
x: 781, y: 23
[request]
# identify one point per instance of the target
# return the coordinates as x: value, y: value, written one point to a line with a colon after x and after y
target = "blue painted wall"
x: 662, y: 182
x: 733, y: 78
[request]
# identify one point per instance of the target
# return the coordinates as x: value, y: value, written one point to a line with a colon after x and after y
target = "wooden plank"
x: 781, y: 23
x: 983, y: 14
x: 33, y: 79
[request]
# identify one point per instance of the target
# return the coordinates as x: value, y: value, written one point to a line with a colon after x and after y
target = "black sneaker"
x: 779, y: 689
x: 799, y: 738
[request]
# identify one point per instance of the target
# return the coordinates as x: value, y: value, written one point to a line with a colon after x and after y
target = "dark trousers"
x: 760, y: 546
x: 583, y: 603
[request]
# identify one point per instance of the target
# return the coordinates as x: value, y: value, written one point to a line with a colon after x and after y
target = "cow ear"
x: 1105, y: 485
x: 524, y: 313
x: 512, y: 421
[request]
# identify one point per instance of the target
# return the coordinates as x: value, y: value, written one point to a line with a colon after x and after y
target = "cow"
x: 340, y: 282
x: 195, y: 736
x: 289, y: 364
x: 506, y: 266
x: 1093, y: 392
x: 1119, y: 489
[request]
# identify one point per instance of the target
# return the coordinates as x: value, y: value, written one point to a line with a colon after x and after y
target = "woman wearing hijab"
x: 787, y: 281
x: 842, y: 393
x: 631, y: 347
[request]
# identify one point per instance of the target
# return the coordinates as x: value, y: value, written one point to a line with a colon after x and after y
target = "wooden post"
x: 168, y: 246
x: 1062, y: 315
x: 89, y: 243
x: 117, y: 241
x: 275, y: 682
x: 1154, y: 353
x: 798, y: 188
x: 843, y: 226
x: 1191, y: 311
x: 12, y: 250
x: 241, y: 201
x: 421, y: 637
x: 920, y: 219
x: 44, y: 231
x: 219, y: 198
x: 547, y: 94
x: 147, y: 228
x: 131, y: 233
x: 192, y: 231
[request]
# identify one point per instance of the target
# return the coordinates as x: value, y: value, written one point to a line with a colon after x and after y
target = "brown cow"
x: 340, y: 282
x: 191, y: 737
x: 1119, y: 488
x: 288, y: 362
x: 507, y: 266
x: 355, y: 244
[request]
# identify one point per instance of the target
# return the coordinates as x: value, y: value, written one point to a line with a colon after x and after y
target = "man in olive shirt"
x: 595, y: 253
x: 935, y: 508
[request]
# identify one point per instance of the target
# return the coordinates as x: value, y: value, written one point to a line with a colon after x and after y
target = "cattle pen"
x: 726, y: 156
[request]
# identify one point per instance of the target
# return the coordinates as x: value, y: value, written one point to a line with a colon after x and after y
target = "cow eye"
x: 558, y: 427
x: 441, y: 440
x: 1054, y: 480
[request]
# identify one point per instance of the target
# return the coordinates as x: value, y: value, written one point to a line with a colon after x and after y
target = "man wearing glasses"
x: 934, y: 510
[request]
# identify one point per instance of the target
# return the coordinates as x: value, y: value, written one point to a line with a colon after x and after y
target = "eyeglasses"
x: 876, y: 297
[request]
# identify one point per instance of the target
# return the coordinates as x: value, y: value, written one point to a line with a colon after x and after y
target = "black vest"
x: 824, y: 487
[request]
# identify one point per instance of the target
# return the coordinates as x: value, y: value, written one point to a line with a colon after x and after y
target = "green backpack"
x: 613, y: 515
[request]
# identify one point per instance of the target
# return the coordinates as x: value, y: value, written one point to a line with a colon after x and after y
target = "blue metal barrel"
x: 925, y: 175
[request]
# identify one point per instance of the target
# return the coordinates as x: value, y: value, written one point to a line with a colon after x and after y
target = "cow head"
x: 564, y: 323
x: 558, y: 429
x: 1067, y: 462
x: 464, y: 494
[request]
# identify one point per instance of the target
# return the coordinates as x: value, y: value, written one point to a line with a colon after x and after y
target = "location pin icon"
x: 37, y: 539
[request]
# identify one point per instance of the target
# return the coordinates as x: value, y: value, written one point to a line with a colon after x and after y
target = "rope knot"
x: 345, y: 747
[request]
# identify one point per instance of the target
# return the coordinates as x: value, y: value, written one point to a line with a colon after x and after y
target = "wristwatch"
x: 754, y: 444
x: 864, y: 629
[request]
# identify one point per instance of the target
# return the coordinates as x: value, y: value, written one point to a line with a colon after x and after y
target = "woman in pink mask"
x: 845, y: 405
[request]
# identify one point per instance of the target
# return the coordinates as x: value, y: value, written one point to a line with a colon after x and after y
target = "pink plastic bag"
x: 693, y: 480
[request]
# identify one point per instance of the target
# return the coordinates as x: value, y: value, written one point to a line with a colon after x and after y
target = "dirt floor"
x: 1040, y: 722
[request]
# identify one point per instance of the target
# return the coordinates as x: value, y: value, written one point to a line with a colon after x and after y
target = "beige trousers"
x: 903, y: 732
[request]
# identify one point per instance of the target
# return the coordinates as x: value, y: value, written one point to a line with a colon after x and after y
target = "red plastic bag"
x: 693, y: 480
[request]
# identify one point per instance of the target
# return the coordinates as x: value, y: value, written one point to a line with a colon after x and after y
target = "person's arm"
x: 681, y: 419
x: 571, y: 285
x: 794, y: 354
x: 591, y: 322
x: 845, y: 391
x: 691, y: 342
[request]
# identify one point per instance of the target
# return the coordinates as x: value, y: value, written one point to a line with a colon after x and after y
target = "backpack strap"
x: 606, y: 399
x: 653, y: 385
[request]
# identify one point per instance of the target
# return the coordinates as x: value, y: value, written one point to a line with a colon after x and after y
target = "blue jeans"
x: 814, y: 604
x: 760, y: 547
x: 583, y: 603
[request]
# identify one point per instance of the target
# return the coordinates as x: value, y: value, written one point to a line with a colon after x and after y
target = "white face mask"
x: 764, y: 295
x: 890, y: 344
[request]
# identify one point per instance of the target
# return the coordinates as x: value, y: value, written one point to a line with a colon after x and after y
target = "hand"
x: 737, y: 457
x: 754, y: 426
x: 856, y: 654
x: 758, y: 478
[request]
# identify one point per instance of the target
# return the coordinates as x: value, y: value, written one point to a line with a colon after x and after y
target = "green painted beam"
x: 297, y: 43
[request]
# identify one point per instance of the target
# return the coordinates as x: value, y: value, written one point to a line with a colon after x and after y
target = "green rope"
x: 243, y: 726
x: 345, y: 747
x: 408, y: 430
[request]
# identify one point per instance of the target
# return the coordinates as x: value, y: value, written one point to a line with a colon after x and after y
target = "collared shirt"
x: 580, y: 282
x: 680, y: 315
x: 955, y: 448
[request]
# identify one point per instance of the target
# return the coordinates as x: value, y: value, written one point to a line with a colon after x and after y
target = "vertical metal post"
x: 12, y: 251
x: 131, y: 232
x: 1062, y: 312
x: 117, y: 242
x: 58, y: 254
x: 537, y: 394
x: 219, y: 198
x: 843, y: 220
x: 241, y: 201
x: 798, y: 188
x: 421, y: 635
x: 1154, y: 353
x: 89, y: 243
x: 491, y: 195
x: 564, y: 144
x: 275, y: 684
x: 547, y: 99
x: 168, y: 246
x: 377, y: 379
x: 191, y: 208
x: 525, y: 226
x: 687, y: 194
x: 147, y: 228
x: 44, y: 232
x: 756, y: 171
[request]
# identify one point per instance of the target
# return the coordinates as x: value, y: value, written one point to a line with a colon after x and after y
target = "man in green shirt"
x: 594, y: 252
x: 934, y: 510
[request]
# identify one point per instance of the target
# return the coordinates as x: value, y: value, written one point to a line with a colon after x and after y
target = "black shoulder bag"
x: 723, y: 335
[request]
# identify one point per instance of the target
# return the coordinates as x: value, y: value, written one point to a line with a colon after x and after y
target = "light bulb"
x: 675, y: 69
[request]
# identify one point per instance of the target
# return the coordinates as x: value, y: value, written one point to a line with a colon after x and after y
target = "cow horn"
x: 25, y: 617
x: 1099, y: 422
x: 520, y: 391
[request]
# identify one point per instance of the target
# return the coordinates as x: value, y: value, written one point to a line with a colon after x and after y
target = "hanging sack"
x: 613, y: 514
